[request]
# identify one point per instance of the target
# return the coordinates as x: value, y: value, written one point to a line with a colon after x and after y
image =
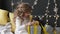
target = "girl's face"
x: 26, y: 14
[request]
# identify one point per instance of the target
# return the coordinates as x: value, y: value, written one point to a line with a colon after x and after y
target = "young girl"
x: 21, y: 18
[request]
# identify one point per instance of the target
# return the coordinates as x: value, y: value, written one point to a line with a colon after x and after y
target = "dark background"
x: 38, y: 10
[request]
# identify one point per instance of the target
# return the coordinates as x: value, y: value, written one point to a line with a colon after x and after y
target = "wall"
x: 39, y: 9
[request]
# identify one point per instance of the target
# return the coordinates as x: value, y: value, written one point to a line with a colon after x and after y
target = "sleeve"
x: 18, y: 21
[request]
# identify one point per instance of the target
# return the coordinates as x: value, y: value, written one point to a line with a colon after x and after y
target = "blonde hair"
x: 20, y: 9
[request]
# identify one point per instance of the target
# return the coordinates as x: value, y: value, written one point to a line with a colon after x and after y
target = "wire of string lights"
x: 56, y: 10
x: 35, y: 3
x: 12, y: 4
x: 47, y: 11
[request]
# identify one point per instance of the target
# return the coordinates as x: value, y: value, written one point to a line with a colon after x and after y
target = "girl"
x: 21, y: 18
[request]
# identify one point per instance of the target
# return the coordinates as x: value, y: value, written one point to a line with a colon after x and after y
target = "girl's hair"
x: 20, y: 9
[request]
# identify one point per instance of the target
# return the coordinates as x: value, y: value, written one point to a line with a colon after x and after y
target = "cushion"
x: 3, y: 17
x: 11, y: 15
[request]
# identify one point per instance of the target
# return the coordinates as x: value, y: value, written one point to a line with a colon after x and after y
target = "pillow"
x: 3, y: 17
x: 11, y: 15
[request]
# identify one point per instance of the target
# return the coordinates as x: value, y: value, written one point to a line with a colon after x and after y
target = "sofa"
x: 7, y: 17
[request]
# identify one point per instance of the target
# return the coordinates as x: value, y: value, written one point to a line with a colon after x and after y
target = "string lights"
x: 47, y: 11
x: 56, y: 10
x: 12, y: 4
x: 35, y: 3
x: 56, y: 16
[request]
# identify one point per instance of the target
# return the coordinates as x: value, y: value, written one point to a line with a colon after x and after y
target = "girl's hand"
x: 31, y: 23
x: 28, y: 24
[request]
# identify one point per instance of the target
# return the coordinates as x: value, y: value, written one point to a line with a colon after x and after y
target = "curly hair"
x: 20, y: 9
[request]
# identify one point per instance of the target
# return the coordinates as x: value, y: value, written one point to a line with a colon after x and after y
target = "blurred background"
x: 39, y: 9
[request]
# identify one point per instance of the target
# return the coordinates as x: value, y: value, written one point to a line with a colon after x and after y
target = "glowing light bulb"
x: 35, y: 3
x: 39, y: 16
x: 32, y: 7
x: 50, y: 16
x: 48, y: 3
x: 55, y: 4
x: 46, y: 20
x: 55, y: 9
x: 12, y: 4
x: 57, y: 15
x: 54, y: 16
x: 55, y: 22
x: 35, y: 16
x: 42, y: 16
x: 47, y: 7
x: 45, y: 13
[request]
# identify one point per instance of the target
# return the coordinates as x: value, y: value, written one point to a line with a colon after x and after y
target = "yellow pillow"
x: 11, y: 15
x: 3, y: 17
